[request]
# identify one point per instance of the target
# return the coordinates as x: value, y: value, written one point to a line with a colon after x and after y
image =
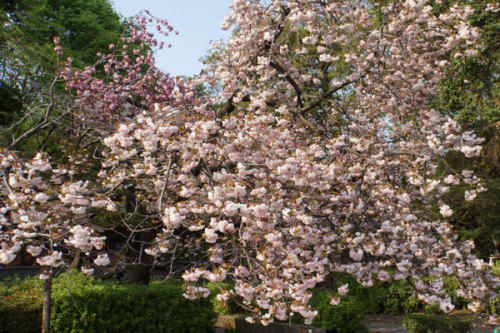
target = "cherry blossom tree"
x: 126, y: 80
x: 48, y: 206
x: 128, y: 83
x: 322, y: 158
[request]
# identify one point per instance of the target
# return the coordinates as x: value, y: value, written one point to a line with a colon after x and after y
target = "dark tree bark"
x: 76, y: 263
x: 138, y: 273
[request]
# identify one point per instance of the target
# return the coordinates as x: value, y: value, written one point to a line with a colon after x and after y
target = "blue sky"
x: 198, y: 22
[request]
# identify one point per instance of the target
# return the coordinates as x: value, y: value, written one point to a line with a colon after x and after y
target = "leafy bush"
x: 14, y: 285
x: 103, y: 306
x: 112, y: 307
x: 428, y: 323
x: 230, y: 307
x: 493, y: 305
x: 21, y: 305
x: 395, y: 297
x: 21, y: 312
x: 343, y: 318
x: 383, y: 297
x: 369, y: 299
x: 451, y: 285
x: 398, y: 297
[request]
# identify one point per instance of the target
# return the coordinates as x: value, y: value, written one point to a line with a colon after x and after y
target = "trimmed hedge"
x: 20, y: 312
x: 428, y: 323
x: 21, y: 305
x: 108, y: 307
x: 104, y: 306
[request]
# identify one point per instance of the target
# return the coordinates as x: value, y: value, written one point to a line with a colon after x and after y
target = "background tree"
x: 52, y: 208
x: 84, y: 27
x: 29, y: 65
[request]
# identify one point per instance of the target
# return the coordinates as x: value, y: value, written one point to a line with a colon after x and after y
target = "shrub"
x: 230, y: 307
x: 343, y: 318
x: 102, y: 306
x: 451, y: 286
x: 429, y: 323
x: 14, y: 284
x: 383, y: 297
x: 21, y: 312
x: 112, y: 307
x: 395, y: 297
x: 493, y: 305
x: 21, y: 305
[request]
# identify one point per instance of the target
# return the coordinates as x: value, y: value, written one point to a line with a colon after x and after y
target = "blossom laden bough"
x: 43, y: 211
x: 323, y: 158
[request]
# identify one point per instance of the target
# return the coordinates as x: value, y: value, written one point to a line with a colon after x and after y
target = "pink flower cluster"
x: 125, y: 81
x: 320, y: 170
x: 322, y: 157
x: 43, y: 210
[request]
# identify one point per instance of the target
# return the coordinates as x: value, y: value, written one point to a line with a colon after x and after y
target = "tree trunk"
x: 75, y: 264
x: 47, y: 295
x: 138, y: 273
x: 496, y: 253
x: 139, y: 269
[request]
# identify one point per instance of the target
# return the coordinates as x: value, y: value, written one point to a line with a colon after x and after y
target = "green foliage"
x: 14, y: 284
x: 343, y: 318
x: 10, y: 103
x: 427, y: 323
x: 471, y: 91
x: 228, y: 308
x: 399, y: 297
x: 84, y: 27
x: 393, y: 297
x: 20, y: 306
x: 471, y: 94
x: 112, y: 307
x: 479, y: 219
x: 493, y: 305
x: 29, y: 63
x: 451, y: 286
x: 82, y: 304
x: 20, y: 312
x: 370, y: 299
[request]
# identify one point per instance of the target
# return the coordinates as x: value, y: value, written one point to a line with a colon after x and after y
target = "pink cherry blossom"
x: 343, y: 289
x: 102, y: 260
x: 306, y: 160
